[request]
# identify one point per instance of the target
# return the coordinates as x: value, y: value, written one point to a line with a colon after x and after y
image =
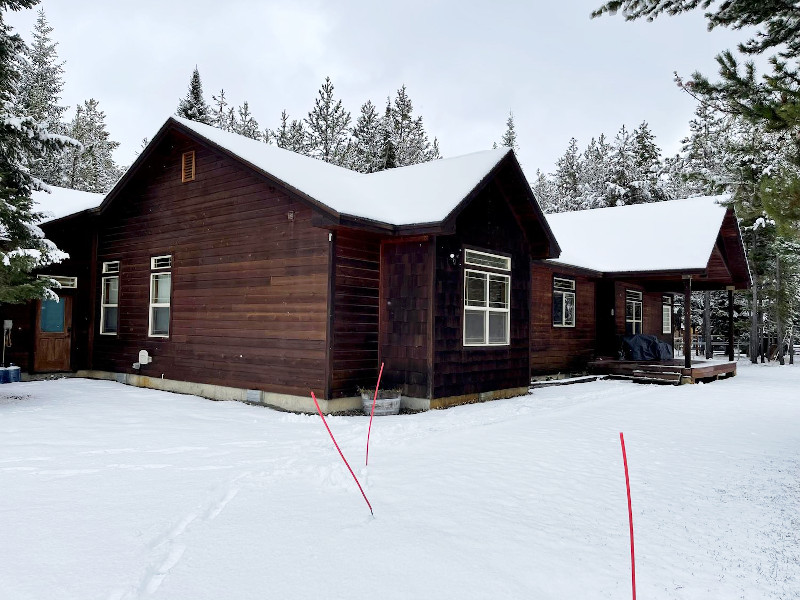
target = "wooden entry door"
x: 53, y: 335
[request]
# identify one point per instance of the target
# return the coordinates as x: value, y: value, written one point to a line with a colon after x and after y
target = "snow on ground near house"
x: 630, y: 238
x: 115, y: 492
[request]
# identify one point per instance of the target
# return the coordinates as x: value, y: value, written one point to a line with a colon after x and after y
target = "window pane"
x: 475, y: 289
x: 110, y: 290
x: 498, y: 292
x: 558, y: 308
x: 110, y: 319
x: 637, y: 311
x: 474, y: 327
x: 629, y: 310
x: 160, y: 320
x: 498, y: 327
x: 161, y: 285
x: 52, y: 316
x: 666, y: 319
x: 569, y: 309
x: 487, y: 260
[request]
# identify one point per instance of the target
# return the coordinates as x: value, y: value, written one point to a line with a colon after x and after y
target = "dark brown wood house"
x: 248, y: 272
x: 618, y: 274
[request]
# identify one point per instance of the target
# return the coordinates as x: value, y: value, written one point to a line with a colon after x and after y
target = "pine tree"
x: 328, y: 125
x: 290, y: 135
x: 193, y: 106
x: 509, y: 139
x: 388, y: 158
x: 594, y: 175
x: 568, y: 175
x: 40, y: 92
x: 245, y: 124
x: 23, y: 140
x: 220, y: 118
x: 409, y: 140
x: 647, y: 167
x: 92, y: 167
x: 367, y: 140
x: 546, y: 194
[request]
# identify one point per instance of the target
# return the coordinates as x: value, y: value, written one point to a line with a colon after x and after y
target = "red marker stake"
x: 372, y: 412
x: 340, y: 453
x: 630, y: 513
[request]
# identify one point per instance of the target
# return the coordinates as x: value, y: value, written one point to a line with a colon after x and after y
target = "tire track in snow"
x: 166, y: 550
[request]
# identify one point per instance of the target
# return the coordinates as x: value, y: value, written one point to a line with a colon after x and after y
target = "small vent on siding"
x: 187, y: 170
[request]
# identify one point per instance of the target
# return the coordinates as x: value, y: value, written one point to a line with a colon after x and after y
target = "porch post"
x: 731, y: 337
x: 687, y: 321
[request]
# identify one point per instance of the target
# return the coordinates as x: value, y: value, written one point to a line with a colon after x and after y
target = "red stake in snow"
x: 630, y: 513
x: 340, y: 453
x: 372, y: 412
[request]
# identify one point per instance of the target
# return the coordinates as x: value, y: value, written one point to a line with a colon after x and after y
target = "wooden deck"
x: 665, y: 372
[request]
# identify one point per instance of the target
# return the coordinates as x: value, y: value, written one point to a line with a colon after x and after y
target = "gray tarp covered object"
x: 645, y: 347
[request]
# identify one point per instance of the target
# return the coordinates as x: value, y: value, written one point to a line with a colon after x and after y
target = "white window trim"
x: 666, y: 311
x: 64, y: 282
x: 153, y: 260
x: 640, y: 302
x: 104, y: 305
x: 564, y: 294
x: 153, y: 305
x: 487, y: 309
x: 506, y: 259
x: 111, y: 267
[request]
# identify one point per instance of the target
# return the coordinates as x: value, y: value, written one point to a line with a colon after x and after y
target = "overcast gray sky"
x: 465, y: 64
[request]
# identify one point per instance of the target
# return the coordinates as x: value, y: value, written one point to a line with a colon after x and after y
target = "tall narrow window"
x: 187, y: 167
x: 666, y: 314
x: 633, y: 312
x: 487, y: 301
x: 563, y: 302
x: 109, y: 306
x: 160, y: 292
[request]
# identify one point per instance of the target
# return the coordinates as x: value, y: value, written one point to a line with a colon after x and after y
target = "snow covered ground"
x: 114, y: 492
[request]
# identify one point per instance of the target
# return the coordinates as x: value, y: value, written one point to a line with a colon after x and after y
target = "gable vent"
x: 187, y: 169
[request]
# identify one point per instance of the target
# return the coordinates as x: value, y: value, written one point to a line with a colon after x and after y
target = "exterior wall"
x: 488, y: 224
x: 561, y: 349
x: 651, y: 310
x: 249, y: 285
x: 406, y: 319
x: 354, y: 327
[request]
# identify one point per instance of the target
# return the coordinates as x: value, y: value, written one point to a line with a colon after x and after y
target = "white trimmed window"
x: 563, y: 302
x: 666, y: 314
x: 109, y: 305
x: 487, y: 300
x: 633, y: 312
x: 160, y: 293
x: 111, y: 267
x: 63, y: 281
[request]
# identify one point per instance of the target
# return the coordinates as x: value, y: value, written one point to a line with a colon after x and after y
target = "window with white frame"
x: 666, y: 314
x: 111, y: 266
x: 633, y: 312
x: 563, y: 302
x: 487, y: 301
x: 109, y: 305
x: 160, y: 293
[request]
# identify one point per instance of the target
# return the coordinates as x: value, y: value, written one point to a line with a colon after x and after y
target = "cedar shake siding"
x: 249, y: 276
x: 354, y: 327
x: 561, y: 349
x: 406, y: 319
x: 486, y: 224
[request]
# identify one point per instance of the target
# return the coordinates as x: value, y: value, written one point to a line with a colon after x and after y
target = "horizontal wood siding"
x: 356, y: 284
x: 561, y: 349
x: 651, y: 310
x: 406, y: 280
x: 488, y: 224
x: 249, y: 283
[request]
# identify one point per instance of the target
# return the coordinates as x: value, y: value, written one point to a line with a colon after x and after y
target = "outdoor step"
x: 664, y: 375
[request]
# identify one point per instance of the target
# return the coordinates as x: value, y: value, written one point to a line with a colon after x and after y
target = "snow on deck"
x: 660, y: 236
x: 60, y: 202
x: 116, y: 492
x: 424, y: 193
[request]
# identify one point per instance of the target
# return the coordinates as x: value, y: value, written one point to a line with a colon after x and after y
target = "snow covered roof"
x: 60, y: 202
x: 424, y: 193
x: 661, y: 236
